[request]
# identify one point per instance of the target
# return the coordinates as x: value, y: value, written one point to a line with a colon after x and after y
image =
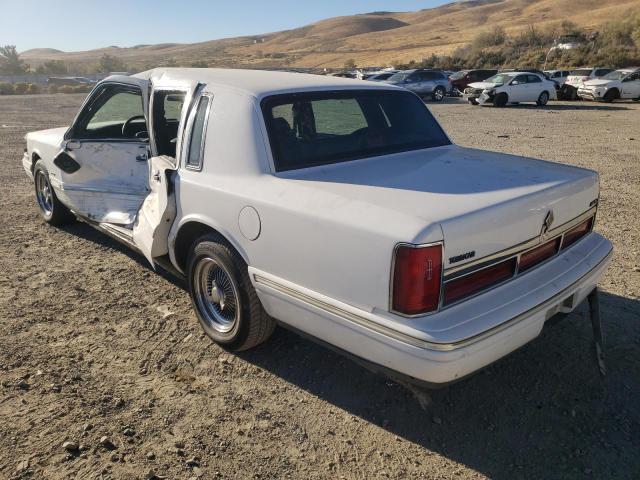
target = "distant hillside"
x: 375, y: 38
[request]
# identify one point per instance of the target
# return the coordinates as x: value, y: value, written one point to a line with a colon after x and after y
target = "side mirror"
x: 515, y: 82
x: 71, y: 145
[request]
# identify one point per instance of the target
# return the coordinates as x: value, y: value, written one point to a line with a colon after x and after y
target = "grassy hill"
x: 376, y: 38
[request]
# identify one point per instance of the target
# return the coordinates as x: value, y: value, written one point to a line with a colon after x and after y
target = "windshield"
x: 399, y: 77
x: 458, y: 75
x: 500, y: 79
x: 616, y: 75
x: 320, y: 128
x: 583, y: 72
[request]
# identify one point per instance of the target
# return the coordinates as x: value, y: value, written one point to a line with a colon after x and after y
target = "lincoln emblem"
x: 546, y: 225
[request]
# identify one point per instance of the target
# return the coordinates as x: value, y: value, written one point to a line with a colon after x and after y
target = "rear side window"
x: 533, y: 79
x: 320, y: 128
x: 602, y: 71
x: 198, y: 130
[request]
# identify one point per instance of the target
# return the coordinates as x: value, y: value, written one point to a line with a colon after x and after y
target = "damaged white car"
x: 619, y: 84
x: 511, y: 88
x: 340, y: 209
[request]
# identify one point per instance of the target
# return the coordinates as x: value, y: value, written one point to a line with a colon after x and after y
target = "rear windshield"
x: 320, y: 128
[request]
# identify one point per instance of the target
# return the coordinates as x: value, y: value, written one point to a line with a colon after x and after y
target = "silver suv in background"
x: 577, y: 78
x: 431, y: 84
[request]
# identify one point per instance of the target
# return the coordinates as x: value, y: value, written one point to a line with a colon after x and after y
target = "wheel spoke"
x: 216, y: 295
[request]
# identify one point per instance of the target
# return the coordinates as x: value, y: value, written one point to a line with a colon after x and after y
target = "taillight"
x: 417, y: 275
x: 538, y: 254
x: 576, y: 233
x: 478, y: 281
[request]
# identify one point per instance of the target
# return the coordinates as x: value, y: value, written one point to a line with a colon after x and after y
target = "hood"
x: 484, y: 85
x: 483, y: 201
x: 48, y: 134
x: 599, y: 82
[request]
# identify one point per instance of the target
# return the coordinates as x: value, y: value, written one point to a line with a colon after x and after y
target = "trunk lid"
x: 485, y: 202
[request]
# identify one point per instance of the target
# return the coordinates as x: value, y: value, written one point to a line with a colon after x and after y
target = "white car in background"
x: 511, y: 87
x: 577, y: 77
x: 619, y: 84
x: 340, y: 208
x: 558, y: 76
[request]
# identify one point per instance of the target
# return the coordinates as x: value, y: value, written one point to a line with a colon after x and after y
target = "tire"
x: 438, y: 94
x: 610, y: 96
x: 500, y: 100
x: 226, y: 304
x: 636, y: 99
x: 52, y: 210
x: 472, y: 101
x: 542, y: 99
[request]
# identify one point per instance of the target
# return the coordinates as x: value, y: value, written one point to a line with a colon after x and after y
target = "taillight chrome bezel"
x: 392, y: 277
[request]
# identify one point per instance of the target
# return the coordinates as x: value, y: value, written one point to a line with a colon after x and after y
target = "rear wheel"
x: 438, y: 94
x: 543, y: 99
x: 223, y: 297
x: 52, y: 210
x: 500, y: 100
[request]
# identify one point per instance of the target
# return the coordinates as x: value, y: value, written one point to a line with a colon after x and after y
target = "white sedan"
x: 511, y: 88
x: 340, y: 209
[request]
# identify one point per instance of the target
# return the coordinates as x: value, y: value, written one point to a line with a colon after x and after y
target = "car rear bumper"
x: 483, y: 329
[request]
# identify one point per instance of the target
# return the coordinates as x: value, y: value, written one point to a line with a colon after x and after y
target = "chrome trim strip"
x: 408, y: 339
x: 520, y: 248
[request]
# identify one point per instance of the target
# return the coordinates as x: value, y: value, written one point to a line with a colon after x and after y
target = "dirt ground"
x: 97, y: 349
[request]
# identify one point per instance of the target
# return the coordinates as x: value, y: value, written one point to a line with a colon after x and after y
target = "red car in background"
x: 461, y: 80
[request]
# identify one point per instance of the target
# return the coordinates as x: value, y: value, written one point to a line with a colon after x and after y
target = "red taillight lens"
x: 416, y: 279
x: 475, y: 282
x: 576, y: 233
x: 538, y: 254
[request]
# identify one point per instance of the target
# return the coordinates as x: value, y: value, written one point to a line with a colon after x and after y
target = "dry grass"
x: 371, y: 39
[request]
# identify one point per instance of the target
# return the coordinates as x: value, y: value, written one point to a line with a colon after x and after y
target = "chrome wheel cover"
x: 216, y: 295
x: 44, y: 194
x: 439, y: 94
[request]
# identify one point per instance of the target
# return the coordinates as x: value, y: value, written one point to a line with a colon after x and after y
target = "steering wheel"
x: 128, y: 123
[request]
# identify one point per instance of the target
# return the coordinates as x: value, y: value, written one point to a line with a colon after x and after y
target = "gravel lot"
x: 99, y: 350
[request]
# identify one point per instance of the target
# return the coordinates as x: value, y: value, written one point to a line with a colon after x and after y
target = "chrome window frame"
x: 189, y: 130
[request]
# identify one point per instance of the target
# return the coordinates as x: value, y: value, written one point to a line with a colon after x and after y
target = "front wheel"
x: 500, y: 100
x: 542, y: 99
x: 52, y: 210
x: 438, y: 94
x: 223, y: 297
x: 610, y: 96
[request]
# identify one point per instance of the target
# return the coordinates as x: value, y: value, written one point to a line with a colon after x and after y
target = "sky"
x: 87, y: 24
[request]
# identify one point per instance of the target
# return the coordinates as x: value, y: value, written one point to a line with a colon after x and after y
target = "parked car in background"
x: 73, y: 81
x: 558, y: 76
x: 461, y: 80
x: 578, y: 76
x: 511, y: 87
x: 619, y: 84
x: 340, y: 208
x: 379, y: 76
x: 426, y: 83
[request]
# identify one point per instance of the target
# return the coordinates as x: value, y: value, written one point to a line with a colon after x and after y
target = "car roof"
x: 258, y: 83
